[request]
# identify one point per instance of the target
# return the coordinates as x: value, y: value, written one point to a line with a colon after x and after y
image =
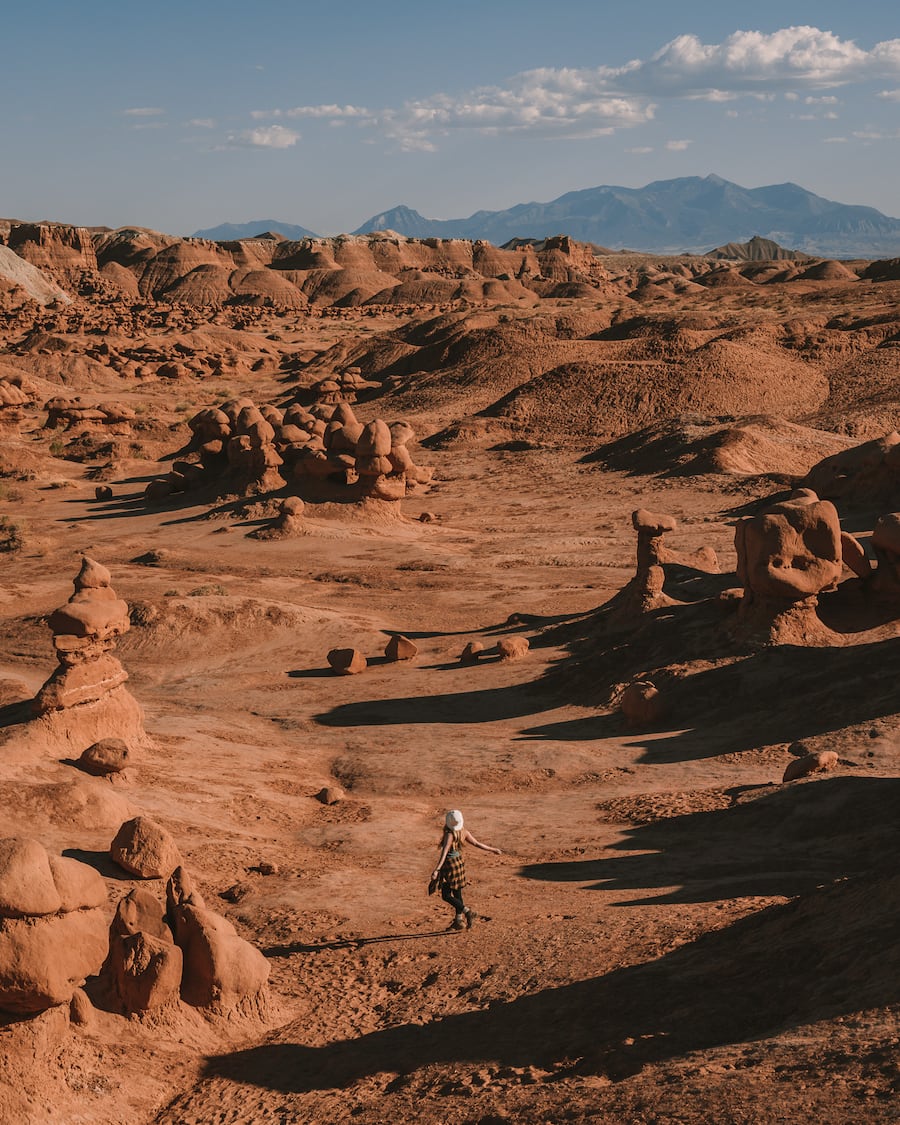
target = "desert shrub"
x: 12, y: 534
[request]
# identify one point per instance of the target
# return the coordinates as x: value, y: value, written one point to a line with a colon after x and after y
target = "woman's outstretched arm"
x: 470, y: 839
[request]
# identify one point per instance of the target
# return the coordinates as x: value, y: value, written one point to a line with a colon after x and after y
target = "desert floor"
x: 670, y: 935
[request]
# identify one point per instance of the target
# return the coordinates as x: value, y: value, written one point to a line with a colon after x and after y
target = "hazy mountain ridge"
x: 690, y: 214
x: 686, y: 215
x: 234, y: 232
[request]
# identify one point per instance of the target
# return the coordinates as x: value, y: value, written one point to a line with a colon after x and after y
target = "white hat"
x: 454, y: 820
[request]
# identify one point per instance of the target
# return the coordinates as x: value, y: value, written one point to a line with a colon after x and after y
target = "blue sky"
x: 184, y: 115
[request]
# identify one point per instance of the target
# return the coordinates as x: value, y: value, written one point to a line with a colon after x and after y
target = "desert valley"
x: 305, y: 543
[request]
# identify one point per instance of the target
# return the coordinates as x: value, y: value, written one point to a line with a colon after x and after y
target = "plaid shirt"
x: 453, y: 872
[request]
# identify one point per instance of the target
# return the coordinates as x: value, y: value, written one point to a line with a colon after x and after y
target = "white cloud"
x: 266, y: 136
x: 836, y: 140
x: 589, y: 102
x: 890, y: 95
x: 144, y: 111
x: 677, y: 146
x: 202, y: 122
x: 640, y: 150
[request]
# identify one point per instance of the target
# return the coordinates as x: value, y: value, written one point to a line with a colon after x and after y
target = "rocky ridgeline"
x: 320, y: 453
x: 74, y: 413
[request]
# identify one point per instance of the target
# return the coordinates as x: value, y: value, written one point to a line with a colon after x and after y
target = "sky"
x: 180, y: 116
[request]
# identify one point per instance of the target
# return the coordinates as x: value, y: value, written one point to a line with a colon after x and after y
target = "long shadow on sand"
x: 771, y: 841
x: 828, y: 955
x: 486, y: 706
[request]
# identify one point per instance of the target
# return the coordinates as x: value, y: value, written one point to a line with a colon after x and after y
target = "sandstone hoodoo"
x: 222, y: 972
x: 144, y: 964
x: 52, y: 927
x: 321, y: 453
x: 787, y: 556
x: 85, y: 700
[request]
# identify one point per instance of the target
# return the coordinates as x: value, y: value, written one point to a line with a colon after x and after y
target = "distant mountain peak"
x: 256, y: 228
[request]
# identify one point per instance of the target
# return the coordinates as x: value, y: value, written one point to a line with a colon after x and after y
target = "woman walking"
x: 450, y: 872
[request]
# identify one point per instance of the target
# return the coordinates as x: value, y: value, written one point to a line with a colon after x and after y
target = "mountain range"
x: 686, y: 215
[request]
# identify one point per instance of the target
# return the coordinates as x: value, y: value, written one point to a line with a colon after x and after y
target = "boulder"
x: 472, y: 653
x: 642, y: 704
x: 108, y: 756
x: 144, y: 848
x: 330, y: 795
x: 512, y: 648
x: 819, y: 762
x: 400, y: 648
x: 347, y: 661
x: 43, y: 960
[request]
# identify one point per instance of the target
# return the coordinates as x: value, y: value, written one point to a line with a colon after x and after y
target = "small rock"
x: 330, y: 795
x: 111, y: 755
x: 512, y: 648
x: 81, y: 1010
x: 103, y: 492
x: 472, y: 653
x: 642, y: 704
x: 400, y: 648
x: 821, y: 762
x: 266, y: 868
x: 235, y: 893
x: 427, y: 517
x: 347, y: 661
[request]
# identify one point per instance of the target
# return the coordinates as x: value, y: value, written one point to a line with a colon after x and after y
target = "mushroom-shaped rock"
x: 400, y: 648
x: 512, y: 648
x: 375, y: 440
x: 819, y: 762
x: 109, y: 756
x: 347, y: 661
x: 144, y: 848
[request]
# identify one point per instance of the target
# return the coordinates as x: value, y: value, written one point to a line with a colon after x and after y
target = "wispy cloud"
x: 144, y: 111
x: 590, y: 102
x: 266, y: 136
x: 202, y: 122
x: 640, y: 150
x: 890, y: 95
x: 678, y: 146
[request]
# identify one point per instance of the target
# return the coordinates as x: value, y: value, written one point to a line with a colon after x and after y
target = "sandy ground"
x: 669, y: 935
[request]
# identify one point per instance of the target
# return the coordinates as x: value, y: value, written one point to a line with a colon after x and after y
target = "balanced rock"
x: 787, y: 556
x: 400, y: 648
x: 819, y: 762
x: 144, y: 848
x: 347, y: 661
